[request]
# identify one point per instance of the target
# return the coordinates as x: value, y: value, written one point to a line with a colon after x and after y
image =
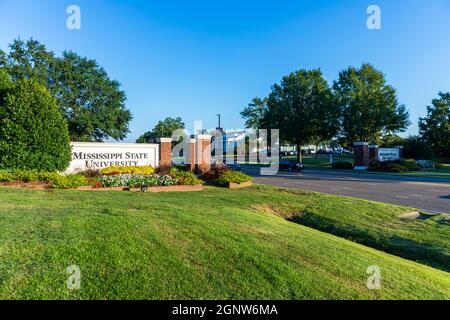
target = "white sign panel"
x: 102, y: 155
x: 385, y: 154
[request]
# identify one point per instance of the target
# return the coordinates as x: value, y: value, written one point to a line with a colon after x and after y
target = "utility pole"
x: 223, y: 136
x: 220, y: 122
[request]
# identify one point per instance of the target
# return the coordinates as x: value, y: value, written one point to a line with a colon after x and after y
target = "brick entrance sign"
x: 165, y: 152
x: 203, y: 152
x: 198, y: 153
x: 365, y: 154
x: 373, y: 152
x: 191, y: 154
x: 361, y: 156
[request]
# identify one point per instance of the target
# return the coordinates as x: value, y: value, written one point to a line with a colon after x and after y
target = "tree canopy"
x: 370, y: 108
x: 435, y: 127
x: 163, y: 129
x: 92, y: 104
x: 302, y: 107
x: 254, y: 113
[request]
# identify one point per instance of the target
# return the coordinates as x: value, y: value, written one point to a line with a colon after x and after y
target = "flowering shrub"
x: 142, y: 170
x: 134, y: 180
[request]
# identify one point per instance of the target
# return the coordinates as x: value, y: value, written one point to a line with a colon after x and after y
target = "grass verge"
x: 218, y: 244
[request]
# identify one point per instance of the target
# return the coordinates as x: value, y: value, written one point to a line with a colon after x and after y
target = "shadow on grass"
x: 405, y: 248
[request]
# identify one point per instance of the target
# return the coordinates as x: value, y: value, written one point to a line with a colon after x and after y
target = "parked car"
x: 324, y: 151
x: 426, y: 164
x: 291, y: 165
x: 234, y: 167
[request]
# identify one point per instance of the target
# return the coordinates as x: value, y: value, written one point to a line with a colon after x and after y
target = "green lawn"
x: 216, y: 244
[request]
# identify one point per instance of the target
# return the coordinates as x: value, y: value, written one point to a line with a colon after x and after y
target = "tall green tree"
x: 3, y: 59
x: 435, y: 127
x: 254, y: 113
x: 370, y: 107
x: 92, y: 104
x: 302, y: 107
x: 33, y: 134
x: 163, y: 129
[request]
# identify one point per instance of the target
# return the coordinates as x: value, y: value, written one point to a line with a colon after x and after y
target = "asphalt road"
x: 425, y: 194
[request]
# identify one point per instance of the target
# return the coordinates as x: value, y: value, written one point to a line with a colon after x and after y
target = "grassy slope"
x: 214, y: 244
x: 379, y: 226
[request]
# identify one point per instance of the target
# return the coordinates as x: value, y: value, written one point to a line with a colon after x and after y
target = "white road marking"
x: 402, y: 197
x: 415, y: 195
x: 430, y: 184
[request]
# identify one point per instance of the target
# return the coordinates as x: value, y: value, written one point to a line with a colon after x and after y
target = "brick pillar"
x: 203, y: 152
x: 191, y: 154
x: 400, y: 149
x: 373, y: 152
x: 361, y: 155
x: 165, y: 152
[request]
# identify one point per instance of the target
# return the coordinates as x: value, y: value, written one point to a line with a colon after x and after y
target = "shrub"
x: 136, y: 180
x: 185, y: 178
x: 33, y: 134
x: 215, y: 173
x: 411, y: 165
x: 143, y: 170
x: 233, y: 177
x: 71, y: 181
x: 343, y: 165
x: 180, y: 167
x: 6, y: 176
x: 163, y: 170
x: 395, y: 166
x: 90, y: 173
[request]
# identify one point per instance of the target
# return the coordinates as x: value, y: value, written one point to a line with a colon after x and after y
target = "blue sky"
x: 195, y: 59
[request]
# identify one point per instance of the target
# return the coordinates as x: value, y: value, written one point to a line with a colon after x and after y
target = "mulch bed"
x: 240, y: 185
x: 48, y: 185
x: 151, y: 189
x: 27, y: 185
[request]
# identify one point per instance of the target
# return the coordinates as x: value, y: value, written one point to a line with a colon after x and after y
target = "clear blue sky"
x: 195, y: 59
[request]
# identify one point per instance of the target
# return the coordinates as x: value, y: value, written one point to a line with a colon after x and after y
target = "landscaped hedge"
x: 395, y: 166
x: 57, y: 180
x: 144, y: 170
x: 71, y: 181
x: 342, y: 165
